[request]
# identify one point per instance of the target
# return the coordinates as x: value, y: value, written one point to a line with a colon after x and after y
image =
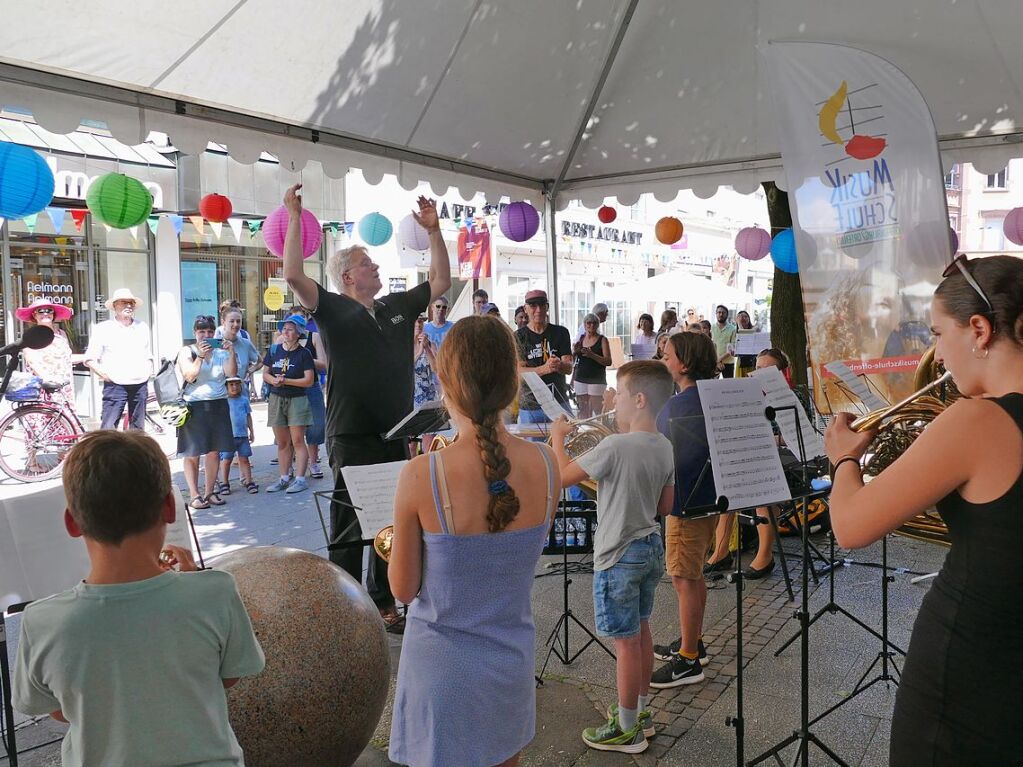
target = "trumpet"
x: 873, y: 419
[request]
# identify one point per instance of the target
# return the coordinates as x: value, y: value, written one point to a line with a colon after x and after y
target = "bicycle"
x: 37, y: 434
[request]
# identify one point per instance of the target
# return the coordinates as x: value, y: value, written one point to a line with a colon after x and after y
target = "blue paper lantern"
x: 783, y: 251
x: 375, y: 229
x: 26, y: 181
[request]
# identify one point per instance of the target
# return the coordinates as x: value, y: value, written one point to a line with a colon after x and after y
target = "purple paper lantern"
x: 752, y: 243
x: 276, y: 227
x: 519, y: 221
x: 953, y: 240
x: 1013, y: 226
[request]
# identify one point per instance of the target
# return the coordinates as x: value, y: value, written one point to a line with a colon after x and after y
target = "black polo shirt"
x: 534, y: 350
x: 369, y: 374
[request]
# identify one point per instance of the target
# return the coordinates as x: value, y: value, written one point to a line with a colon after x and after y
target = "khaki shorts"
x: 687, y: 543
x: 289, y: 411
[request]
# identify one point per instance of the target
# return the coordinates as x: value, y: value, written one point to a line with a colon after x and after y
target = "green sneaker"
x: 609, y: 737
x: 645, y: 719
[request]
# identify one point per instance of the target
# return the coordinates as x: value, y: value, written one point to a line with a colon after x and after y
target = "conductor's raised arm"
x: 440, y: 266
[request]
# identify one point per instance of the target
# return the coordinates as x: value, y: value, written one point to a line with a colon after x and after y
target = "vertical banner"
x: 198, y: 293
x: 868, y: 204
x: 473, y: 252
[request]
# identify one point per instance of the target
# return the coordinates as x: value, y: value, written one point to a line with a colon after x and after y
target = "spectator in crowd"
x: 119, y: 353
x: 439, y: 325
x: 470, y: 522
x: 490, y: 309
x: 644, y: 342
x: 544, y: 349
x: 742, y: 320
x: 745, y: 363
x: 669, y: 319
x: 369, y: 345
x: 315, y: 435
x: 244, y: 436
x: 690, y: 357
x: 423, y: 366
x: 231, y: 330
x: 52, y: 364
x: 696, y: 327
x: 205, y: 367
x: 662, y: 340
x: 225, y: 306
x: 521, y: 320
x: 705, y: 327
x: 723, y: 334
x: 479, y: 298
x: 691, y: 316
x: 289, y: 369
x: 599, y: 310
x: 593, y: 356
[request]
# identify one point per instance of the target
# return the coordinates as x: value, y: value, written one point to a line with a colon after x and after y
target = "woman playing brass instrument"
x: 956, y: 702
x: 470, y: 521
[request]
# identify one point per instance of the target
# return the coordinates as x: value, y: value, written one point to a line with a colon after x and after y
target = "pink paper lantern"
x: 276, y: 227
x: 519, y: 221
x: 1013, y: 226
x: 752, y: 243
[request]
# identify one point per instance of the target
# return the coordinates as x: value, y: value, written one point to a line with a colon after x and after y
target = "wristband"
x: 844, y: 459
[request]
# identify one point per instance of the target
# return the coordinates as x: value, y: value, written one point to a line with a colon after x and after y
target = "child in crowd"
x: 637, y: 476
x: 244, y: 436
x: 137, y: 656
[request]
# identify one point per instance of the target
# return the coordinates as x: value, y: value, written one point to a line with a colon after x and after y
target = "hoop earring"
x: 986, y: 351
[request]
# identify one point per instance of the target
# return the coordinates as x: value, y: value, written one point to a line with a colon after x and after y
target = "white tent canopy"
x: 683, y: 290
x: 607, y: 97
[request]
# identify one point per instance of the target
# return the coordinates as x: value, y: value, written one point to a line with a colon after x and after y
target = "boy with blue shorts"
x: 636, y: 472
x: 244, y: 436
x: 137, y: 656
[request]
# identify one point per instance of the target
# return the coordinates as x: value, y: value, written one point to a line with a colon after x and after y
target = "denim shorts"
x: 242, y: 447
x: 623, y: 594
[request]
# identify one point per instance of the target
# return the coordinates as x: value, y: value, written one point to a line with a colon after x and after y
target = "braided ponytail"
x: 504, y: 505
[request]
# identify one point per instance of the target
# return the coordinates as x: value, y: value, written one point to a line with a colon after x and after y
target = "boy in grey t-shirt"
x: 636, y: 472
x: 136, y: 657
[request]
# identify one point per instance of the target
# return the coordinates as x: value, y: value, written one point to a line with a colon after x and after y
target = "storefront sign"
x: 75, y: 183
x: 198, y: 293
x: 594, y: 232
x: 58, y: 292
x: 273, y: 298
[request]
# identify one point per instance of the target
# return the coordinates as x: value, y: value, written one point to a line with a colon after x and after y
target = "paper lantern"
x: 607, y: 214
x: 752, y: 243
x: 783, y: 251
x: 275, y: 228
x: 412, y: 235
x: 375, y: 229
x: 519, y: 221
x: 669, y: 230
x: 26, y: 181
x: 119, y: 201
x: 953, y: 241
x: 215, y: 208
x: 1013, y: 226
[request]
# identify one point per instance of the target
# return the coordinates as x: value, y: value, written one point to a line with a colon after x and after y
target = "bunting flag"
x: 199, y: 223
x: 30, y: 222
x: 217, y: 227
x: 254, y: 226
x: 178, y: 222
x: 236, y: 227
x: 334, y: 228
x: 78, y: 216
x: 57, y: 217
x: 134, y: 232
x: 154, y: 223
x: 349, y: 227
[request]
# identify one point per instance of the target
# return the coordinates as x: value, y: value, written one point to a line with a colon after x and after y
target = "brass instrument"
x: 382, y: 542
x: 589, y: 432
x: 915, y: 401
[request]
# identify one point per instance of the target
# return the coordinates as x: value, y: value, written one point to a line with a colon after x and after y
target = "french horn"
x: 589, y: 432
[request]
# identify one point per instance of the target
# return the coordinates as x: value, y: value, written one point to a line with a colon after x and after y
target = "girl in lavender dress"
x: 470, y: 523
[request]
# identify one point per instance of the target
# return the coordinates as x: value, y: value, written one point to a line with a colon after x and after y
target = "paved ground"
x: 691, y: 721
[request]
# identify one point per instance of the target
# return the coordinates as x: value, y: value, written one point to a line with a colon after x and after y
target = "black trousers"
x: 359, y: 450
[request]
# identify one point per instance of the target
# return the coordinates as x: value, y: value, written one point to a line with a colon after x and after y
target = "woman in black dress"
x: 957, y: 702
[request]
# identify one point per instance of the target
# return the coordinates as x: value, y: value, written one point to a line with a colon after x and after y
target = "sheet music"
x: 857, y: 385
x: 744, y: 457
x: 544, y: 396
x: 778, y: 394
x: 178, y: 531
x: 752, y: 342
x: 372, y: 489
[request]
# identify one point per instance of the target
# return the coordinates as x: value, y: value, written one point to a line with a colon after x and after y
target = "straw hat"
x: 121, y: 294
x: 27, y: 313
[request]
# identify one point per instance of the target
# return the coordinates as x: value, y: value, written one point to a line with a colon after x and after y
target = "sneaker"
x: 298, y: 486
x: 676, y: 672
x: 609, y: 737
x: 315, y: 471
x: 645, y: 719
x: 280, y: 484
x: 666, y: 651
x: 273, y: 461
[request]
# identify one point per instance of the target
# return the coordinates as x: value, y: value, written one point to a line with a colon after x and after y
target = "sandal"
x: 251, y: 486
x: 223, y: 488
x: 215, y: 499
x: 198, y: 503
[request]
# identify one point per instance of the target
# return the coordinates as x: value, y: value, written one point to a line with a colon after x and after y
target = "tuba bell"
x: 589, y: 432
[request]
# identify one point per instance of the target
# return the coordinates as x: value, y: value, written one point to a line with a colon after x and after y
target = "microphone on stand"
x: 36, y: 337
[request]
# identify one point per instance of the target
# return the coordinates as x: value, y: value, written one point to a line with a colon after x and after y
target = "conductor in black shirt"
x: 369, y: 377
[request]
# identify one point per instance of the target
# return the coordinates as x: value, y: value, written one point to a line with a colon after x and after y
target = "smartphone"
x: 215, y: 343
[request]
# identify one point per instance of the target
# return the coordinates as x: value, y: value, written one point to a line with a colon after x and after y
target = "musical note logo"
x: 860, y: 146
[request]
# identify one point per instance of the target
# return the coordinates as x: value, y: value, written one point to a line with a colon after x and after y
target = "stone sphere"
x: 321, y: 694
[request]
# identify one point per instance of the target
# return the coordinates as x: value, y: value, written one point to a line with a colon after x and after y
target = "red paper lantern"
x: 669, y: 230
x: 607, y: 214
x: 216, y: 208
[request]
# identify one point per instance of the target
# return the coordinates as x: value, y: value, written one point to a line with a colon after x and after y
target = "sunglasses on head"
x: 959, y: 262
x: 207, y: 318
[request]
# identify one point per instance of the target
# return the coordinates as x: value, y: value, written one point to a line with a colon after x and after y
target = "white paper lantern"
x: 412, y: 235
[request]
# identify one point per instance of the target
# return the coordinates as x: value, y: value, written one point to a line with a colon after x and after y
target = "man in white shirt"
x: 119, y: 353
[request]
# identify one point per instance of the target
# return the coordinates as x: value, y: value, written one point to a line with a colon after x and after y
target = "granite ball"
x: 323, y: 690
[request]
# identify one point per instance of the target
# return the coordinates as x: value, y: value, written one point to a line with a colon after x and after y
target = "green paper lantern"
x: 119, y: 201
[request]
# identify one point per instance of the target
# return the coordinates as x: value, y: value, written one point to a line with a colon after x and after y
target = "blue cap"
x: 297, y: 320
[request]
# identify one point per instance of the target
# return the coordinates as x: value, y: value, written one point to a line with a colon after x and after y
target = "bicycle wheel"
x: 34, y: 441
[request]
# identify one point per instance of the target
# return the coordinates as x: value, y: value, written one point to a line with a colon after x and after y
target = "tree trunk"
x: 788, y: 321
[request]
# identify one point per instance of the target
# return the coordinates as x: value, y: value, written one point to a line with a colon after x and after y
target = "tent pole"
x: 551, y: 236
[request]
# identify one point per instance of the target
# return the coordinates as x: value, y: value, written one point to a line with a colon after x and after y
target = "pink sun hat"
x: 60, y: 313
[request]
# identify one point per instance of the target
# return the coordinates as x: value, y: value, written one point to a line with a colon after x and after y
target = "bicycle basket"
x: 23, y: 388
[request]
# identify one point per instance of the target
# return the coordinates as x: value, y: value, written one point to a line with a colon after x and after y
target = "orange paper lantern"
x: 216, y: 208
x: 669, y: 230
